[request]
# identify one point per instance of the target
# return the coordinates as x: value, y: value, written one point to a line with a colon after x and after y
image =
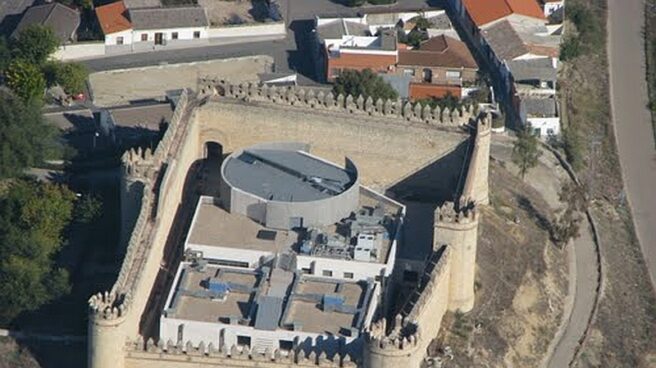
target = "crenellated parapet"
x: 211, y: 354
x: 106, y: 306
x: 325, y: 100
x: 395, y: 345
x: 462, y: 216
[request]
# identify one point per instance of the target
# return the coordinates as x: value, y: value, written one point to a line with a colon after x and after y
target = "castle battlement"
x: 106, y: 306
x: 324, y: 100
x: 223, y: 356
x: 449, y: 213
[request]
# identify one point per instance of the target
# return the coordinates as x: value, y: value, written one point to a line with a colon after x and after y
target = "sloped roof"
x: 134, y: 4
x: 62, y: 19
x: 533, y: 69
x: 505, y: 41
x: 539, y: 107
x: 341, y: 27
x: 113, y: 17
x: 173, y: 17
x: 441, y: 51
x: 485, y: 11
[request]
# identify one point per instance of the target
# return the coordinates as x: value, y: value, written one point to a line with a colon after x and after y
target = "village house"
x: 139, y: 28
x: 439, y: 66
x: 63, y: 20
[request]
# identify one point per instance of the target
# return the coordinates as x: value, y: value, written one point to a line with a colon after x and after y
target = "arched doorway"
x: 213, y: 152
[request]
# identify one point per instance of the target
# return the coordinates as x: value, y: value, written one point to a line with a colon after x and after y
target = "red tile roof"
x: 441, y: 51
x: 420, y: 91
x: 485, y: 11
x: 113, y: 17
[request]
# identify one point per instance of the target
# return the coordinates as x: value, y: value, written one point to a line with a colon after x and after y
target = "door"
x: 159, y: 38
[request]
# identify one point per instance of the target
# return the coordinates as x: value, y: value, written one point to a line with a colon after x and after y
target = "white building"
x: 314, y: 276
x: 151, y: 28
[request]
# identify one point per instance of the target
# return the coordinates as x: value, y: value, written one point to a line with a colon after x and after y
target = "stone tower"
x: 134, y: 169
x: 106, y: 338
x: 458, y: 229
x: 476, y: 184
x: 400, y: 348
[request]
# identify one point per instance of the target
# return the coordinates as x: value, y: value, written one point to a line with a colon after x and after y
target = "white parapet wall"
x: 79, y: 51
x: 250, y: 30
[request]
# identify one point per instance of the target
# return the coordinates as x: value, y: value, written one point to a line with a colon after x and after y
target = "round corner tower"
x: 391, y: 351
x: 106, y: 338
x: 458, y: 229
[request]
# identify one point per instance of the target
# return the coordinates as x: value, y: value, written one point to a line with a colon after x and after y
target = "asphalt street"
x: 633, y: 129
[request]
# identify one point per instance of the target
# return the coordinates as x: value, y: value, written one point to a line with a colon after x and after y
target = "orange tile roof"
x: 420, y: 91
x: 440, y: 51
x: 113, y: 17
x: 485, y: 11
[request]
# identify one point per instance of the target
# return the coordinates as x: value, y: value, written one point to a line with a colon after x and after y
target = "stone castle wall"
x: 387, y: 144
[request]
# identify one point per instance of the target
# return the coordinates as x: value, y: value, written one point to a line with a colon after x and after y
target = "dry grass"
x: 650, y: 45
x: 624, y: 331
x: 521, y: 283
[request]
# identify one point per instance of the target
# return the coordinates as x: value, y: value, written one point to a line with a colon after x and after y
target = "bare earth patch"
x: 521, y: 283
x: 13, y: 356
x: 232, y: 12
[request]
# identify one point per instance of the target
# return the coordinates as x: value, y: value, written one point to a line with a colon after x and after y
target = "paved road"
x: 633, y: 129
x: 583, y: 273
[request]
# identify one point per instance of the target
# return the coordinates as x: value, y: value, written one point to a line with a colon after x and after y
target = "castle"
x: 179, y: 261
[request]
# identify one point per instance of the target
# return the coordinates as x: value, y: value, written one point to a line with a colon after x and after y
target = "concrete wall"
x: 79, y: 51
x: 277, y: 214
x: 251, y: 30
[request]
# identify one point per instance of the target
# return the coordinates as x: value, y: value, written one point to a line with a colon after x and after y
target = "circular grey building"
x: 282, y: 186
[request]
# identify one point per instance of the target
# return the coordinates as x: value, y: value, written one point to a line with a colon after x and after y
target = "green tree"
x: 5, y: 54
x: 365, y: 83
x: 354, y: 2
x: 35, y: 44
x: 568, y: 224
x: 88, y: 209
x: 70, y: 76
x: 526, y: 152
x: 33, y: 217
x: 26, y: 80
x: 25, y: 139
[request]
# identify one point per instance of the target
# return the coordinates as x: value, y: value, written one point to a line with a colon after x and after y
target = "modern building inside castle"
x: 293, y: 253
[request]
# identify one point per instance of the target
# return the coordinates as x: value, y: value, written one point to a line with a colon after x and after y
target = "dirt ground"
x: 232, y: 12
x: 521, y: 283
x: 13, y: 356
x: 118, y: 87
x: 620, y: 337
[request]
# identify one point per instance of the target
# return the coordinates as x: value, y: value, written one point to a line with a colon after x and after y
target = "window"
x: 180, y: 333
x: 409, y: 72
x: 428, y: 75
x: 550, y: 131
x: 196, y: 34
x: 119, y: 40
x: 452, y: 74
x: 327, y: 273
x: 537, y: 132
x: 348, y: 275
x: 174, y: 36
x: 144, y: 37
x: 378, y: 278
x: 306, y: 271
x: 286, y: 345
x: 244, y: 341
